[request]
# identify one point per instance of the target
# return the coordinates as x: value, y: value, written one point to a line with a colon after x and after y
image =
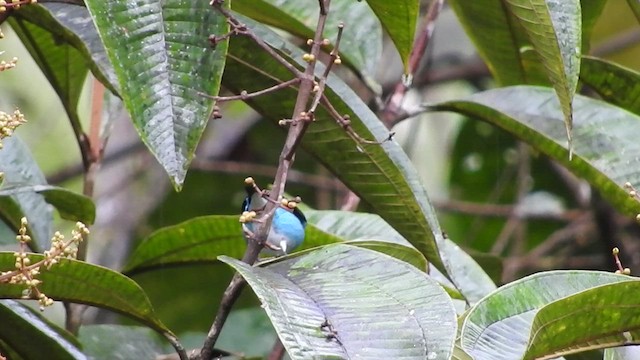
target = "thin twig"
x: 92, y: 150
x: 245, y: 96
x: 333, y: 58
x: 241, y: 29
x: 514, y: 224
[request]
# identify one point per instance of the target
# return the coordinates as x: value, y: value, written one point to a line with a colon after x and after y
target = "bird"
x: 287, y: 226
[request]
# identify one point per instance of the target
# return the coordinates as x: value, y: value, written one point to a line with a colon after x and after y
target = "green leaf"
x: 361, y: 44
x: 622, y: 353
x: 497, y: 36
x: 554, y: 28
x: 467, y: 275
x: 347, y: 287
x: 635, y: 8
x: 507, y: 315
x: 80, y: 282
x: 501, y: 41
x: 382, y: 175
x: 70, y: 205
x: 605, y: 143
x: 19, y: 167
x: 398, y: 18
x: 163, y: 60
x: 614, y: 83
x: 591, y: 11
x: 63, y: 65
x: 120, y: 342
x: 32, y: 336
x: 202, y: 239
x: 600, y: 317
x: 71, y: 25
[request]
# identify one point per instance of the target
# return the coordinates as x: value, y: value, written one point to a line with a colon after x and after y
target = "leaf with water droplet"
x: 163, y: 61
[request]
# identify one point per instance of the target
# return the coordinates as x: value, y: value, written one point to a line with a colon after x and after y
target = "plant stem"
x: 297, y: 128
x: 91, y: 148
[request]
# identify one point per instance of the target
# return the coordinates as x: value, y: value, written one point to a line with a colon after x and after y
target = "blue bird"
x: 287, y: 227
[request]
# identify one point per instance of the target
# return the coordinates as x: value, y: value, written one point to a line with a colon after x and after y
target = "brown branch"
x: 91, y: 148
x: 296, y: 131
x: 278, y: 350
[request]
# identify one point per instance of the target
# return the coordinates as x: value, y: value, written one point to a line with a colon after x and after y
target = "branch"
x: 393, y: 107
x: 298, y: 126
x: 92, y: 149
x: 245, y: 96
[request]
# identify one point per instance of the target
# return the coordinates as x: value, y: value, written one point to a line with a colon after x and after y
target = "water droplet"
x: 407, y: 80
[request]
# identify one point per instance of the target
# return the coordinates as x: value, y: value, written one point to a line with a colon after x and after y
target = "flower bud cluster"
x: 26, y: 272
x: 9, y: 122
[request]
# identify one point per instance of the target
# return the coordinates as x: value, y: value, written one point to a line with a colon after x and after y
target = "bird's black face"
x: 300, y: 216
x: 246, y: 204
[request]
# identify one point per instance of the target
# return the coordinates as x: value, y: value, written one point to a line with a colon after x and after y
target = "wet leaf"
x: 70, y: 205
x: 554, y: 28
x: 19, y: 167
x: 71, y: 27
x: 381, y: 175
x: 80, y: 282
x: 398, y: 18
x: 63, y: 65
x: 468, y: 276
x: 120, y: 342
x: 599, y: 317
x: 605, y: 142
x: 202, y: 239
x: 614, y: 83
x: 361, y: 44
x: 32, y: 336
x: 299, y: 295
x: 508, y: 315
x: 163, y: 60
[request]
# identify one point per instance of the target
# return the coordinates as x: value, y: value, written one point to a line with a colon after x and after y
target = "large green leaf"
x: 508, y: 316
x: 605, y: 316
x: 203, y: 239
x: 406, y: 313
x: 163, y: 60
x: 361, y: 44
x: 32, y: 336
x: 605, y: 143
x: 616, y: 84
x: 62, y: 64
x: 80, y: 282
x: 70, y: 205
x: 399, y: 19
x: 500, y: 38
x: 72, y: 25
x: 467, y: 275
x: 554, y: 27
x: 20, y: 168
x: 120, y: 342
x: 382, y: 175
